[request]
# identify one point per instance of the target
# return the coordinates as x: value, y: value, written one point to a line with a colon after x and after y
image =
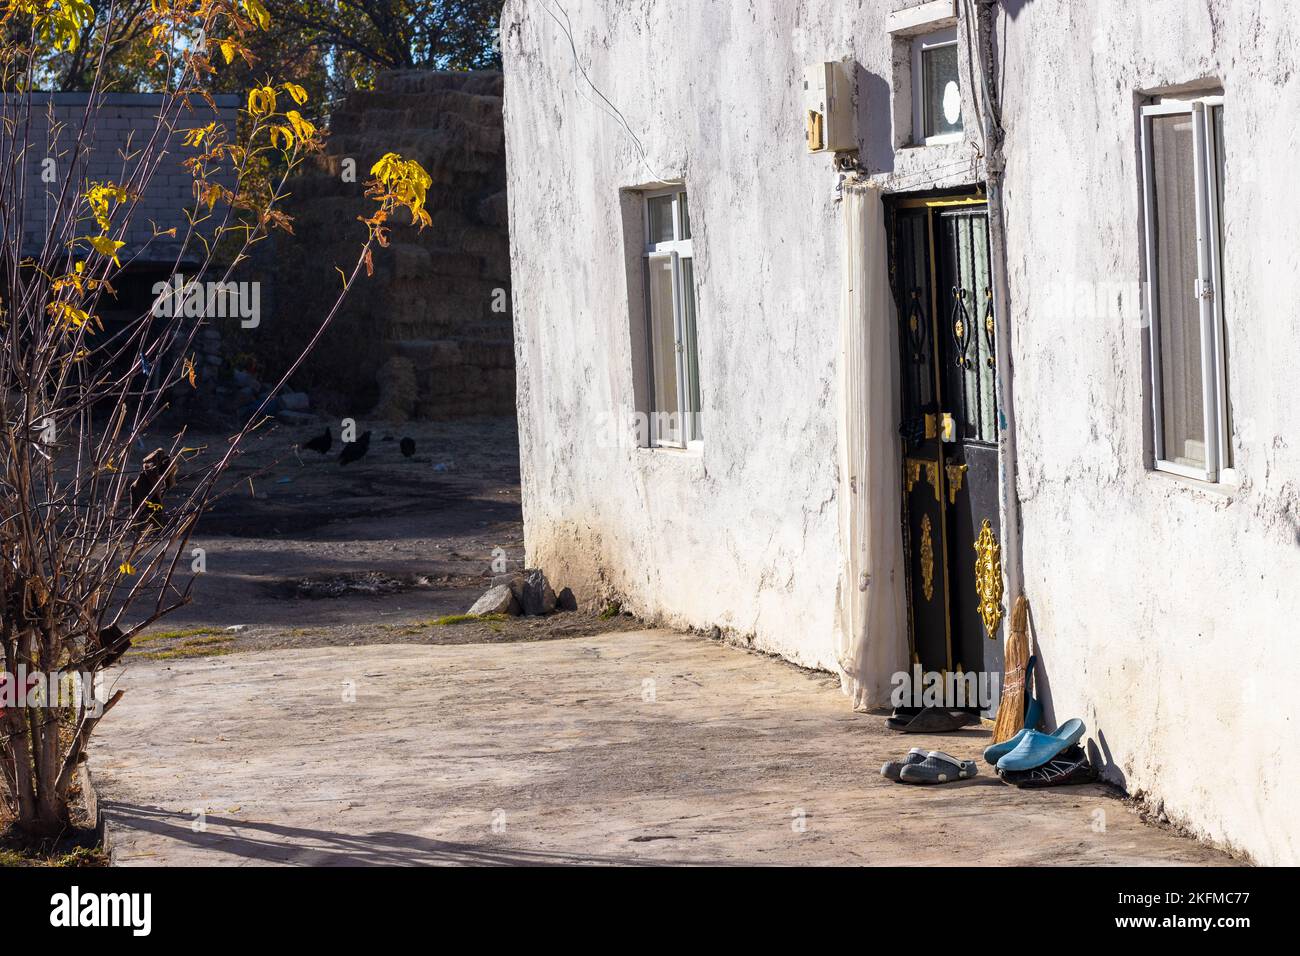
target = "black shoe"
x: 933, y: 720
x: 1070, y: 766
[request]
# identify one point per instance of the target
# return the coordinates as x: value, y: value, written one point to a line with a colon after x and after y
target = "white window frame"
x: 676, y: 250
x: 920, y: 44
x: 1208, y: 289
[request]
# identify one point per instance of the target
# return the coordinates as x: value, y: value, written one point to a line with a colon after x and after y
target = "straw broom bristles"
x: 1011, y: 709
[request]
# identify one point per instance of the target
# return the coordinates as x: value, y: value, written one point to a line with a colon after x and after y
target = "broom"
x: 1011, y: 708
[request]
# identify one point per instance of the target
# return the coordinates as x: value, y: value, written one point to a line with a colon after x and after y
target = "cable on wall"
x: 608, y: 108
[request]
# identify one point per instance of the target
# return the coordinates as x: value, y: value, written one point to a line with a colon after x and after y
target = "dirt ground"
x: 310, y: 709
x: 305, y: 552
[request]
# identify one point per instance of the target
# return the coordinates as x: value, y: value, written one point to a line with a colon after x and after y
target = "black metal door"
x: 940, y: 268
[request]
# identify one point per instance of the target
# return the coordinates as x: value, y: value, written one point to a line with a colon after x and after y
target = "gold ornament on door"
x: 988, y: 578
x: 955, y: 475
x: 912, y: 473
x: 927, y: 559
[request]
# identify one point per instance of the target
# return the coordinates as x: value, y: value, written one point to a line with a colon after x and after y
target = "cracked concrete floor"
x: 643, y: 747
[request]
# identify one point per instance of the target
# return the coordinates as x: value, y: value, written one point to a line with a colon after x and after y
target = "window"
x: 1182, y: 155
x: 670, y: 311
x: 936, y: 92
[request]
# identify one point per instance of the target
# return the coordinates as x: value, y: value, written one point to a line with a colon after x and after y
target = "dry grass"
x: 176, y: 635
x: 79, y: 857
x: 192, y: 642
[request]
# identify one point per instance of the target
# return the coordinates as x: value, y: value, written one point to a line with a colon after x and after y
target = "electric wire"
x: 609, y: 109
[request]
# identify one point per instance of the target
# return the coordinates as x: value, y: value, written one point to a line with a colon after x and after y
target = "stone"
x: 498, y: 599
x: 539, y: 598
x: 295, y: 401
x: 566, y: 601
x: 295, y: 418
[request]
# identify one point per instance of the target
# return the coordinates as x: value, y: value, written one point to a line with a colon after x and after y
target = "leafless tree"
x: 95, y: 526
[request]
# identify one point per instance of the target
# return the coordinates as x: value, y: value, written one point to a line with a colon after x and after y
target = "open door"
x: 941, y: 275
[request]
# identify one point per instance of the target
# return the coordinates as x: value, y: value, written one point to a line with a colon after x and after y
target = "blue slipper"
x: 1036, y: 748
x: 1033, y: 714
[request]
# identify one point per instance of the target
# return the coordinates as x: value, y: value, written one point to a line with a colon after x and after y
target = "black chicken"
x: 408, y: 447
x: 354, y: 451
x: 321, y: 443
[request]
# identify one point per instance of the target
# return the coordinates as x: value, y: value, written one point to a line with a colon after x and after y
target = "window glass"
x: 692, y: 348
x: 1216, y: 113
x: 673, y: 359
x: 1182, y: 393
x: 941, y: 93
x: 661, y: 218
x: 663, y: 348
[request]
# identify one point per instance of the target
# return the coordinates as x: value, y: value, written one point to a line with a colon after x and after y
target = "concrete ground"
x: 642, y: 747
x: 533, y: 740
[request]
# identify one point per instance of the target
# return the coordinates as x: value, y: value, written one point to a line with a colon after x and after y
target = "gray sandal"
x: 938, y: 767
x: 893, y: 768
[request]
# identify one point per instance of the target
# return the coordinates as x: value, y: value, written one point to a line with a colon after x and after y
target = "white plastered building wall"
x: 1162, y: 611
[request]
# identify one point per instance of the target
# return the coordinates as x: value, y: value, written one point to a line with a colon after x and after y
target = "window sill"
x: 921, y: 18
x: 694, y: 450
x: 944, y: 139
x: 1223, y: 491
x: 657, y: 464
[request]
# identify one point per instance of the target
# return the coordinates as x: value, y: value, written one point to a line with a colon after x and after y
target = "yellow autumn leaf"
x: 68, y: 315
x: 257, y: 13
x: 302, y: 128
x: 195, y: 136
x: 277, y: 132
x: 228, y: 51
x: 404, y: 183
x: 60, y: 24
x: 385, y: 165
x: 261, y: 100
x: 298, y: 94
x: 98, y: 197
x: 106, y: 247
x: 125, y: 568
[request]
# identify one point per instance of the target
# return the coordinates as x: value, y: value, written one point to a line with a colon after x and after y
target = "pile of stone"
x: 527, y: 592
x: 245, y: 393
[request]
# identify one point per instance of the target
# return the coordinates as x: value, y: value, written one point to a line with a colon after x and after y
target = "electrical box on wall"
x: 829, y: 121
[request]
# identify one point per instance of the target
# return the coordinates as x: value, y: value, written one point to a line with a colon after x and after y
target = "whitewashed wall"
x: 743, y: 536
x: 1164, y: 612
